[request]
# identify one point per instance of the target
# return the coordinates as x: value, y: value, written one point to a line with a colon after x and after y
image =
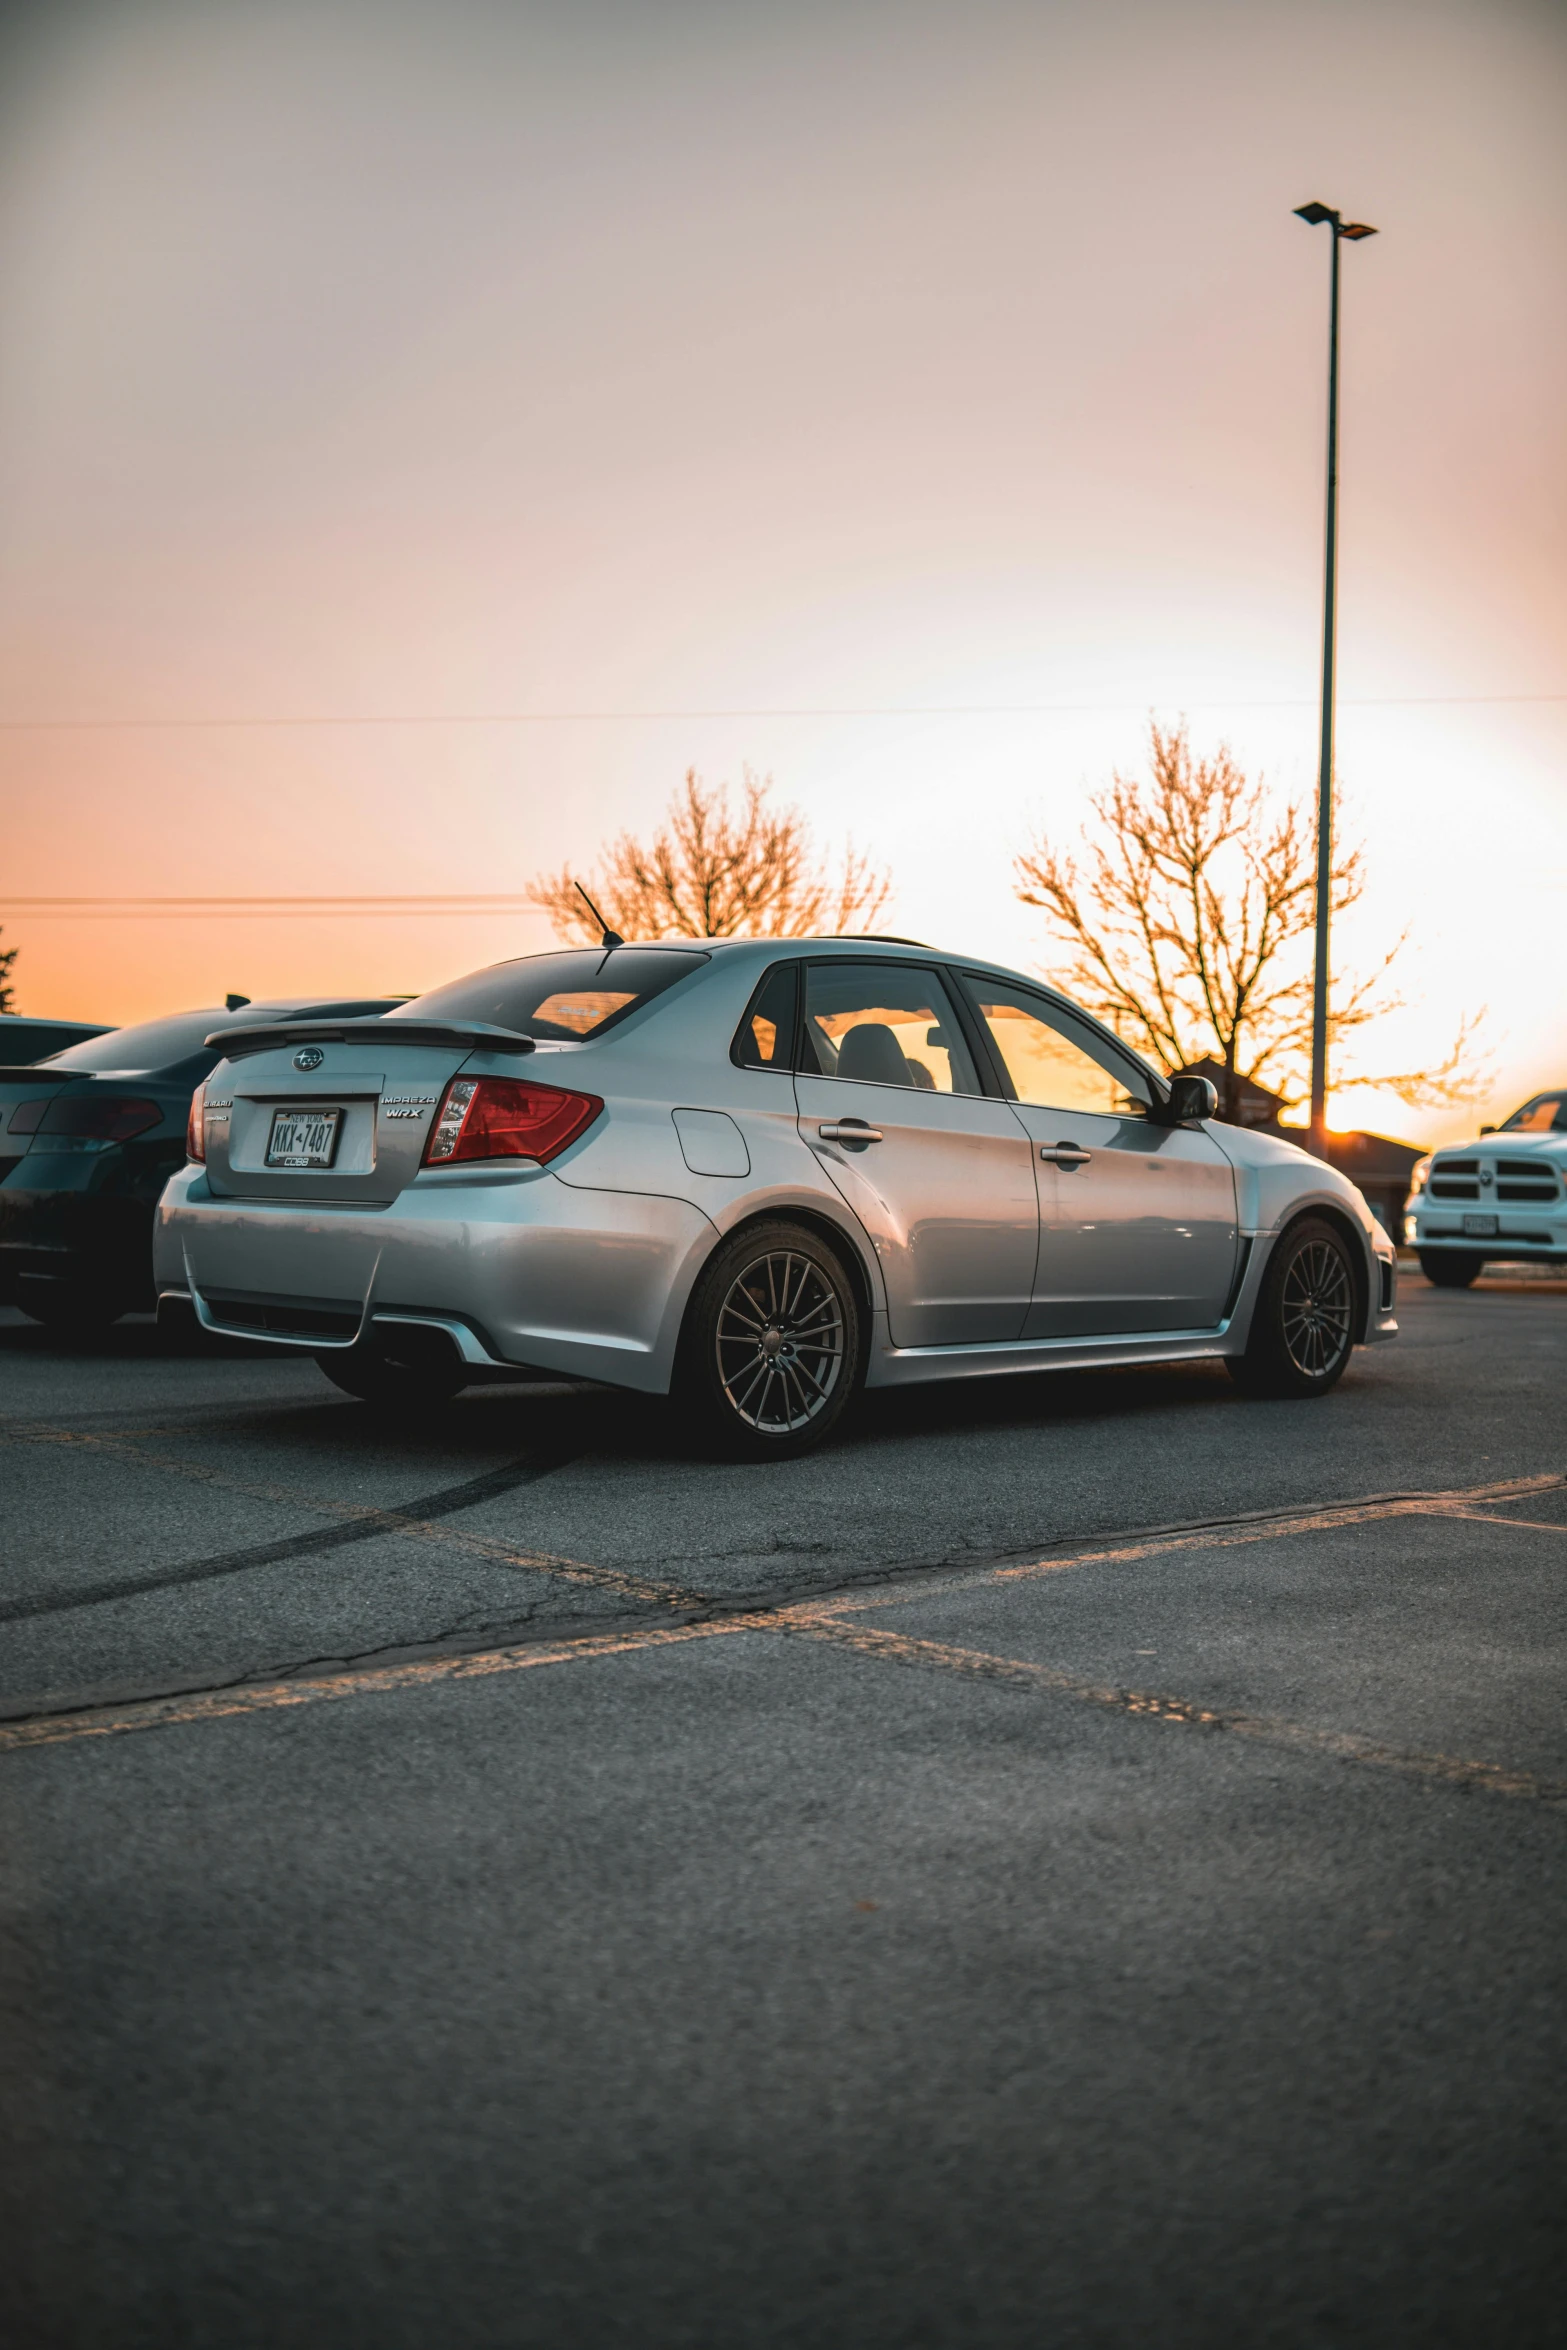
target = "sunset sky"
x: 427, y: 430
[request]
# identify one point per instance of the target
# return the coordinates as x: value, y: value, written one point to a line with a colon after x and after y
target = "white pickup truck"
x: 1501, y: 1197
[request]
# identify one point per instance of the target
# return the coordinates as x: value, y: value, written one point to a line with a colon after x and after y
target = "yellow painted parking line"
x: 803, y: 1621
x: 1296, y: 1737
x: 217, y: 1705
x: 1217, y: 1537
x: 1484, y: 1517
x: 831, y: 1619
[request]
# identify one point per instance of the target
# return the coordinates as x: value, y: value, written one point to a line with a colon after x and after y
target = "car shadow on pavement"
x: 134, y: 1339
x: 312, y: 1417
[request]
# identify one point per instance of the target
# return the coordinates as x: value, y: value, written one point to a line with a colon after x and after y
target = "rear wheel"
x: 1303, y: 1331
x: 393, y: 1385
x: 1450, y: 1268
x: 773, y: 1344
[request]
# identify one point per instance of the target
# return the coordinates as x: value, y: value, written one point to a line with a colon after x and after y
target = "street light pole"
x: 1353, y: 230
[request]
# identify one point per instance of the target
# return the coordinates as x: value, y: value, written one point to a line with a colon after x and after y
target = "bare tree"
x: 716, y: 871
x: 1188, y: 921
x: 8, y: 956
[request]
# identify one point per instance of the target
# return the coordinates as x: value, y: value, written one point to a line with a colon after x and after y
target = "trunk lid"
x: 333, y: 1111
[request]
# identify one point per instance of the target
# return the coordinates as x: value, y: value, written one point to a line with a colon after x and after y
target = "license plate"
x: 1480, y: 1227
x: 303, y: 1138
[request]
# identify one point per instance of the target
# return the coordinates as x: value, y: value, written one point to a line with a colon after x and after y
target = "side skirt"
x: 906, y: 1366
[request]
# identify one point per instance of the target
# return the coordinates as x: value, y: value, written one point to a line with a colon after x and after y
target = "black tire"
x: 1450, y: 1268
x: 1308, y: 1310
x: 405, y: 1388
x: 773, y: 1349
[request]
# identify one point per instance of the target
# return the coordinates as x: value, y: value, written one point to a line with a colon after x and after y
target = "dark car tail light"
x: 113, y: 1117
x: 196, y: 1125
x: 506, y: 1118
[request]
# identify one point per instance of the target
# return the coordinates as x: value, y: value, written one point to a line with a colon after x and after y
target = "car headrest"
x: 873, y: 1054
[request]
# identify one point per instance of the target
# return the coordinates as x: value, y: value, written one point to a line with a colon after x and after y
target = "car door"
x: 1137, y: 1223
x: 940, y: 1174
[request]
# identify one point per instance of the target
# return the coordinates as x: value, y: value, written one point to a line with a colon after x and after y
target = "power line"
x: 501, y: 901
x: 673, y: 716
x: 166, y: 909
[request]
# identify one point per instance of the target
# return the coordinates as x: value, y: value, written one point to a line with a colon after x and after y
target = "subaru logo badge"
x: 309, y: 1056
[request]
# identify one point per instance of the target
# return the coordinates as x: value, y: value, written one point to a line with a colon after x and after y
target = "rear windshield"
x: 159, y: 1044
x: 561, y: 998
x: 154, y: 1044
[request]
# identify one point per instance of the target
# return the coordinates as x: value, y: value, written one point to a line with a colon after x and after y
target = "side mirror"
x: 1488, y: 1130
x: 1191, y: 1097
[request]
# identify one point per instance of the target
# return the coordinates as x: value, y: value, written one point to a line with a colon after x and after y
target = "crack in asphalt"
x: 695, y: 1611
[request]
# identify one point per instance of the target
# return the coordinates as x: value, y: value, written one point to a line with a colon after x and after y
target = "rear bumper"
x: 75, y: 1240
x: 517, y: 1269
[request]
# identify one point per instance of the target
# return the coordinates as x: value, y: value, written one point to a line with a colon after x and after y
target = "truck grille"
x: 1522, y: 1179
x: 1518, y: 1180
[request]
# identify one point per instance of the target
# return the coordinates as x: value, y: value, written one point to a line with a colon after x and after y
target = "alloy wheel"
x: 1318, y: 1309
x: 780, y: 1343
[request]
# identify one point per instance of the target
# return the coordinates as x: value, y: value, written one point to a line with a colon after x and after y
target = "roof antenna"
x: 611, y: 938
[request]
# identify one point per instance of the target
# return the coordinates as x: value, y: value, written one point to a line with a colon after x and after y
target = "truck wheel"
x: 1449, y: 1268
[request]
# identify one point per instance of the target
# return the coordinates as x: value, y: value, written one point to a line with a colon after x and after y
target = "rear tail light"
x: 506, y: 1118
x: 196, y: 1125
x: 114, y: 1117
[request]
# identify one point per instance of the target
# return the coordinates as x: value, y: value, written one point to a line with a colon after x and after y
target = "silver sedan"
x: 757, y: 1174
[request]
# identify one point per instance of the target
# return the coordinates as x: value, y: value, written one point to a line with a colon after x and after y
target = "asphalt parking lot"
x: 1078, y: 1860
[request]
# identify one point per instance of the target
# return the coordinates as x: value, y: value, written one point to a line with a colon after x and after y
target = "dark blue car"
x: 88, y: 1139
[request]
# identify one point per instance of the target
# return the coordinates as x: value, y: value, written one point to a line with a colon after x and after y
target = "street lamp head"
x: 1317, y: 213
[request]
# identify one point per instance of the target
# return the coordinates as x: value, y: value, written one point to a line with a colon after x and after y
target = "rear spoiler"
x: 466, y: 1036
x: 36, y: 1074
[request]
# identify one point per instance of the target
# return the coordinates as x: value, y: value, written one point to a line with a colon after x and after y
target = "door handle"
x: 1064, y: 1154
x: 850, y: 1130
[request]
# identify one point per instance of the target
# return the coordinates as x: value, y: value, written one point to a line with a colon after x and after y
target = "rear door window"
x: 884, y: 1024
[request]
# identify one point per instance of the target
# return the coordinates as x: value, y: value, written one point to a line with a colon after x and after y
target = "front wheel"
x: 391, y: 1385
x: 772, y: 1351
x: 1303, y: 1331
x: 1450, y: 1268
